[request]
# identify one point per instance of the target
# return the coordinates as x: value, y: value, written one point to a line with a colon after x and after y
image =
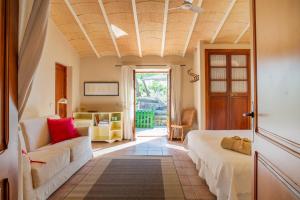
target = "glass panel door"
x: 218, y: 74
x: 239, y: 74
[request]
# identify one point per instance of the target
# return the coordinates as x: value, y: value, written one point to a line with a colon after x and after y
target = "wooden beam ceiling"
x: 109, y: 27
x: 164, y: 28
x: 137, y: 30
x: 81, y: 27
x: 70, y: 28
x: 91, y: 17
x: 199, y: 4
x: 236, y: 22
x: 151, y: 28
x: 150, y: 14
x: 246, y: 37
x: 177, y: 28
x: 223, y: 20
x: 242, y: 34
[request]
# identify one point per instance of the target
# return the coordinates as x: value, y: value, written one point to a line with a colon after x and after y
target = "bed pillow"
x: 61, y: 129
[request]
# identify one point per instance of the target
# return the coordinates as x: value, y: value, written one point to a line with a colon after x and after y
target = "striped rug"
x: 130, y: 177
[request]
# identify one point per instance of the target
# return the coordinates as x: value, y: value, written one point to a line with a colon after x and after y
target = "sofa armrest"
x: 84, y: 131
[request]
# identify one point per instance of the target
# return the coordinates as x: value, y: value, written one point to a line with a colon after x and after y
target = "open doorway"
x: 60, y: 90
x: 151, y: 103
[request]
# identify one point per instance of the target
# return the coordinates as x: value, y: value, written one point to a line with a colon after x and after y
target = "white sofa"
x: 62, y: 159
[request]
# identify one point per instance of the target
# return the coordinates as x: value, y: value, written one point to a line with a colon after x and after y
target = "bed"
x: 227, y: 173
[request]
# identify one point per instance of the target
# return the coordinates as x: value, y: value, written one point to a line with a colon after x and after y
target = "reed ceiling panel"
x: 120, y: 14
x: 150, y: 15
x: 245, y: 39
x: 66, y: 23
x: 91, y: 17
x: 208, y: 21
x: 178, y: 26
x: 236, y: 22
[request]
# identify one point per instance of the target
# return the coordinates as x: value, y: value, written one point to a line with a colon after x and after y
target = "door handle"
x: 248, y: 114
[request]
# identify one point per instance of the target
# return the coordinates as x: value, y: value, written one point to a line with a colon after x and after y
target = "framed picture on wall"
x: 101, y: 88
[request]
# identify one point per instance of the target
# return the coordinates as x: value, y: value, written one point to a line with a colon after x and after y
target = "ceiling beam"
x: 242, y: 33
x: 223, y: 21
x: 163, y: 41
x: 82, y: 28
x: 191, y: 29
x: 137, y: 30
x: 108, y: 24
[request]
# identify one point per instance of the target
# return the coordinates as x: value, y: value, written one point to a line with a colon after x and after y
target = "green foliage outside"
x: 154, y: 85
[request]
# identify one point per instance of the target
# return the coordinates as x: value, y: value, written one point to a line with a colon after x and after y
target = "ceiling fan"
x: 188, y: 5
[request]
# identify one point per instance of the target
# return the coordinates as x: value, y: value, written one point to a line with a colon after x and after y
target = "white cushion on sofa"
x: 56, y: 160
x: 35, y: 132
x: 78, y: 146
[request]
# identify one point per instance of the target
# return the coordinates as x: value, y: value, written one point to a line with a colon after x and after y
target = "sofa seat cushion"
x: 78, y: 146
x: 55, y: 161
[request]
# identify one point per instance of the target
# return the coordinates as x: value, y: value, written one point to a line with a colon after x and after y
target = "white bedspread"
x: 227, y: 173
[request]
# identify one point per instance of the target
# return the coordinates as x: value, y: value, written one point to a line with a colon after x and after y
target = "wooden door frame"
x: 227, y: 52
x: 66, y: 85
x: 168, y: 71
x: 9, y: 100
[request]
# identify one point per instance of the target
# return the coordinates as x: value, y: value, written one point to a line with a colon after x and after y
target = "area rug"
x: 130, y: 177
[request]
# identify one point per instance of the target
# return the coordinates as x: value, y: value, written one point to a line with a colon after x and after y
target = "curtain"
x: 128, y: 101
x: 176, y: 72
x: 31, y: 50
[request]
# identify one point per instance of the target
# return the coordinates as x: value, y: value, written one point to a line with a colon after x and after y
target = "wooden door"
x: 9, y: 12
x: 228, y: 89
x: 60, y: 89
x: 277, y: 137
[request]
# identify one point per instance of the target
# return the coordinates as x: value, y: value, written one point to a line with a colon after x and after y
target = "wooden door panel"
x: 218, y: 112
x: 284, y: 161
x: 281, y: 88
x: 227, y: 85
x: 60, y: 89
x: 238, y: 106
x: 277, y: 138
x: 268, y: 185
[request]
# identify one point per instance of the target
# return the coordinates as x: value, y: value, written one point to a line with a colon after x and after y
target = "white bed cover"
x: 227, y: 173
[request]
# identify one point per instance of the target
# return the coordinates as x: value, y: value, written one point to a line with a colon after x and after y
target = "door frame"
x: 168, y: 71
x: 207, y: 79
x: 9, y: 21
x: 65, y: 85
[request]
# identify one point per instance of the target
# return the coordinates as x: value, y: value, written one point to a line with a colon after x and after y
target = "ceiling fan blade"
x: 196, y: 9
x: 189, y: 1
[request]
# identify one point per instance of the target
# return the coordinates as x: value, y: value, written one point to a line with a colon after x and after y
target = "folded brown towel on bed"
x: 240, y: 145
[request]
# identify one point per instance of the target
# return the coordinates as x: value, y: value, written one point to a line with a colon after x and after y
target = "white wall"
x: 103, y: 69
x: 42, y: 97
x: 199, y: 67
x: 197, y: 85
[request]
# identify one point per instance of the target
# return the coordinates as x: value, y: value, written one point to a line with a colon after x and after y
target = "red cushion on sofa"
x: 61, y: 129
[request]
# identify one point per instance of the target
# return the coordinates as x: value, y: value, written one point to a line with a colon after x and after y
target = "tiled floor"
x: 193, y: 186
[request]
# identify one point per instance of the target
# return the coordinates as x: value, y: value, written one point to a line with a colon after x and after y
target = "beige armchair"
x: 187, y: 120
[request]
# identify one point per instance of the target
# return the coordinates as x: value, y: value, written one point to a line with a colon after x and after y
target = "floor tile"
x: 189, y: 192
x: 184, y: 180
x: 196, y: 180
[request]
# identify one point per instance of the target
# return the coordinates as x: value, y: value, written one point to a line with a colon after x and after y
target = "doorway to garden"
x: 152, y: 103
